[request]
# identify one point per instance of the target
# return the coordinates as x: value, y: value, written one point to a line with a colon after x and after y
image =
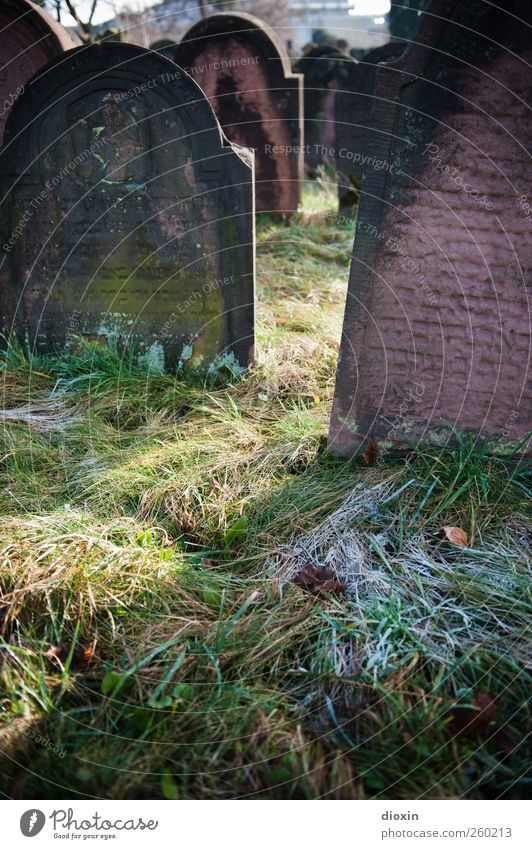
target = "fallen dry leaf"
x: 318, y: 578
x: 456, y: 535
x: 370, y: 456
x: 82, y: 655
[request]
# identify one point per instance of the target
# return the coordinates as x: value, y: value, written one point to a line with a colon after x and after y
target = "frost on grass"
x: 48, y: 414
x: 408, y: 589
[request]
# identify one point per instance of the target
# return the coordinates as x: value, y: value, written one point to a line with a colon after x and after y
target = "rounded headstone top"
x: 162, y: 44
x: 25, y: 13
x: 29, y: 38
x: 235, y: 24
x: 324, y: 61
x: 319, y: 50
x: 122, y: 68
x: 165, y: 46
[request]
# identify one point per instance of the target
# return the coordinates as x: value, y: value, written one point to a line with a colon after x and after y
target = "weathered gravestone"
x: 245, y: 72
x: 436, y: 334
x: 29, y: 38
x: 127, y: 216
x: 354, y: 103
x: 325, y: 69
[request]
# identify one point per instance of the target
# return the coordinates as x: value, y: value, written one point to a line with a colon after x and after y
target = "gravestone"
x: 325, y: 68
x: 245, y: 72
x: 165, y: 46
x: 29, y: 38
x: 436, y: 335
x: 354, y: 104
x: 128, y: 217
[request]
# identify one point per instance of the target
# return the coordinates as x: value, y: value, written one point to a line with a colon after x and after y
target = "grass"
x: 152, y: 642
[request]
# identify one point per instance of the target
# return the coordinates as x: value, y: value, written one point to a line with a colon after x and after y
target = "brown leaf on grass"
x: 370, y: 456
x: 473, y: 718
x: 82, y: 655
x: 456, y: 535
x: 318, y: 578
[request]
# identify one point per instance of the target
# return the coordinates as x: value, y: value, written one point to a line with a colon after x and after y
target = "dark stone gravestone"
x: 165, y: 46
x: 245, y: 72
x: 354, y: 104
x: 128, y: 217
x: 325, y: 68
x: 29, y: 38
x: 436, y: 336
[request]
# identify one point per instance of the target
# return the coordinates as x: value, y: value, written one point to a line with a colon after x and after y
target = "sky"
x: 106, y: 8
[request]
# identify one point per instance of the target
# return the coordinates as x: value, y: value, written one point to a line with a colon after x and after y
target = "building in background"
x: 297, y: 22
x: 339, y: 18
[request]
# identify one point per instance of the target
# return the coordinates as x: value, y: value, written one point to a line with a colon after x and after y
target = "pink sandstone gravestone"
x: 436, y: 335
x: 127, y: 216
x: 29, y: 38
x: 245, y: 72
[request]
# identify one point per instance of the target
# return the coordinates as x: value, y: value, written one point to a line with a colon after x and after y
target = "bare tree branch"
x: 85, y: 26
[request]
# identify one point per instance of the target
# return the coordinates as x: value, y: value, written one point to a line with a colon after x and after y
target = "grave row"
x: 129, y: 182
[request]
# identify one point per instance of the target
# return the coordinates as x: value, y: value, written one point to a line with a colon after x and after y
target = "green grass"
x: 150, y: 526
